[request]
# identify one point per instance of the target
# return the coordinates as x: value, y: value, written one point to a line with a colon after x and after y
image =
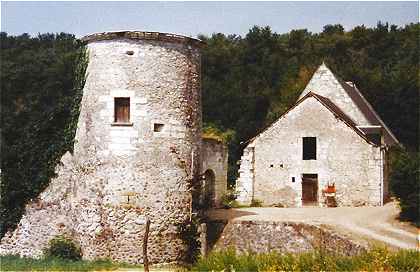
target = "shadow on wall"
x: 209, y: 188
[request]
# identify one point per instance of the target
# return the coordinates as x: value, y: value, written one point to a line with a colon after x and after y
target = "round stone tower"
x: 136, y: 156
x: 140, y: 120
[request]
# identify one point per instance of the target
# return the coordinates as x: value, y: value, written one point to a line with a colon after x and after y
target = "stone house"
x: 330, y: 136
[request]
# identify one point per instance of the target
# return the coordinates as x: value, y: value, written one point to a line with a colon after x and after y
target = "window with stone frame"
x: 309, y: 148
x: 121, y: 110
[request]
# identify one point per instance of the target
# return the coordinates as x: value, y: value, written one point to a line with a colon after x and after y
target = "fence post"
x: 146, y: 236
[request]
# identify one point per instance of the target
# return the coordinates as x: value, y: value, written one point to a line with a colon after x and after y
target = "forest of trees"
x: 247, y: 83
x: 41, y: 87
x: 250, y: 81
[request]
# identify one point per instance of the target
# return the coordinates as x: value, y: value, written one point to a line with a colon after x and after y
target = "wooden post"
x: 203, y: 239
x: 146, y: 236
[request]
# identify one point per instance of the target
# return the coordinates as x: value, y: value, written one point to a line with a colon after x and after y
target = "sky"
x: 193, y: 18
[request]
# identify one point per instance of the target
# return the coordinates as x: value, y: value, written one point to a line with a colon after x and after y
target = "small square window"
x: 158, y: 127
x: 121, y: 109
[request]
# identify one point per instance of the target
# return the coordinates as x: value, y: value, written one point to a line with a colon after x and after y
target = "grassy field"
x: 379, y: 259
x: 15, y: 263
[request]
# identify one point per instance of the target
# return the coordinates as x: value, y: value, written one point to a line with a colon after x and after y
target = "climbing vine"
x: 189, y: 234
x: 41, y: 86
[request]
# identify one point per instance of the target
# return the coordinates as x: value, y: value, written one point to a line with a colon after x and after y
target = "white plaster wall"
x: 324, y: 83
x: 343, y: 158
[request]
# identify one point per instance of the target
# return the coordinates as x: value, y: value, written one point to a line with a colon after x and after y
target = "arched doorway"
x: 209, y: 188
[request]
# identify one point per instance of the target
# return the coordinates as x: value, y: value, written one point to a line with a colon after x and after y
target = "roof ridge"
x: 326, y: 102
x: 360, y: 102
x: 375, y: 116
x: 340, y: 114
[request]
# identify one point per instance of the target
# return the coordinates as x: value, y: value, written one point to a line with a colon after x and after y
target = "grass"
x: 16, y: 263
x: 378, y: 259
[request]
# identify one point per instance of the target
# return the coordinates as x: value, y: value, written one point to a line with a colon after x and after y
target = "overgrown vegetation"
x: 16, y: 263
x: 228, y: 199
x: 63, y: 248
x: 405, y: 183
x: 211, y: 131
x: 41, y: 86
x: 379, y: 259
x: 189, y: 234
x: 256, y: 203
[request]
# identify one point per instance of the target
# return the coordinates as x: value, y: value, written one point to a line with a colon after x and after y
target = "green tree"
x: 41, y: 83
x: 405, y: 184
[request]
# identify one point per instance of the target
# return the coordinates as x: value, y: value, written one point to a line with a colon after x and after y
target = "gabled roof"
x: 367, y: 110
x: 323, y: 73
x: 327, y: 103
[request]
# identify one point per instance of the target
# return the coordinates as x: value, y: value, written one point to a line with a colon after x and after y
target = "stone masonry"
x: 282, y: 237
x: 122, y: 173
x: 215, y: 163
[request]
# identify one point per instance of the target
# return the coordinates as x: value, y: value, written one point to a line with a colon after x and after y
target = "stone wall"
x: 326, y: 84
x: 214, y: 156
x: 343, y: 158
x: 121, y: 174
x: 283, y: 237
x: 245, y: 181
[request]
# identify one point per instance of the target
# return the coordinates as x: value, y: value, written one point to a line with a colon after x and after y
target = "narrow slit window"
x: 122, y: 109
x: 309, y: 148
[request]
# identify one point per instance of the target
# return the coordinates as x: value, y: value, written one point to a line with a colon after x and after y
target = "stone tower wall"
x: 121, y: 174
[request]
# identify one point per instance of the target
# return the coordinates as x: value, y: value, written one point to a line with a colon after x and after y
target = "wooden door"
x: 309, y: 189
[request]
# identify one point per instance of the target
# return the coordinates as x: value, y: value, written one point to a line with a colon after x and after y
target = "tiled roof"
x: 338, y: 113
x: 367, y: 109
x: 331, y: 107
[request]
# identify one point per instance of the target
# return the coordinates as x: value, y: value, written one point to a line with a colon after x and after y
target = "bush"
x: 405, y: 184
x: 189, y: 234
x: 228, y: 200
x: 256, y: 203
x: 63, y: 248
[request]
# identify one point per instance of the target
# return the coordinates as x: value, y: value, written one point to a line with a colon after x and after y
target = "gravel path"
x: 371, y: 223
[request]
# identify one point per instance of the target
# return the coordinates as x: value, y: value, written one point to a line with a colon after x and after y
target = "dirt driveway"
x: 374, y: 224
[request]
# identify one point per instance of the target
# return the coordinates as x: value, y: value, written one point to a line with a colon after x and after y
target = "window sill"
x: 122, y: 124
